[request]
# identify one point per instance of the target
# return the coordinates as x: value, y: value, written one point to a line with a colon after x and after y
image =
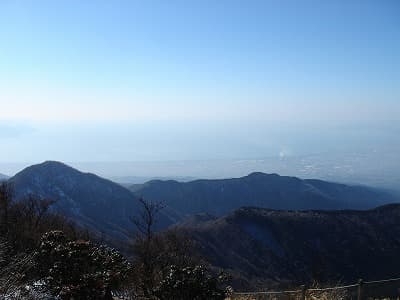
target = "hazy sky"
x: 171, y: 80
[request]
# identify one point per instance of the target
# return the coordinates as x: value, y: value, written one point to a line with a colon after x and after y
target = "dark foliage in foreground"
x: 22, y: 224
x: 191, y: 283
x: 166, y: 264
x: 43, y: 256
x: 78, y: 269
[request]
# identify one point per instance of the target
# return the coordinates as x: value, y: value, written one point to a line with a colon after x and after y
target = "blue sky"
x: 170, y: 80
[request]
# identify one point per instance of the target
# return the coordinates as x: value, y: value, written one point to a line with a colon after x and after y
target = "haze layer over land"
x: 178, y: 81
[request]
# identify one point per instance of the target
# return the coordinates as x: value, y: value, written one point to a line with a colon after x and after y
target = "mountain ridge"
x: 260, y: 246
x: 89, y: 200
x: 265, y: 247
x: 220, y: 196
x: 3, y: 177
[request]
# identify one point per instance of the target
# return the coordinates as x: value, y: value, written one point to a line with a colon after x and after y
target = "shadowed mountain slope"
x: 89, y: 200
x: 263, y: 247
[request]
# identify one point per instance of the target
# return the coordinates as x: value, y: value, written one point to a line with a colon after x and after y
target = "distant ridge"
x: 221, y: 196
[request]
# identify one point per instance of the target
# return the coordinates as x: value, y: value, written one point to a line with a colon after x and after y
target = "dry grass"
x: 315, y: 292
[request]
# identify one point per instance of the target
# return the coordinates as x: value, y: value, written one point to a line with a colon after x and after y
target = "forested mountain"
x: 261, y: 190
x: 264, y: 247
x: 91, y: 201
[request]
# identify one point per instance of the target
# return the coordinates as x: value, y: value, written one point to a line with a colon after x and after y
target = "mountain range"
x: 264, y: 247
x: 264, y: 228
x: 220, y: 196
x: 3, y: 177
x: 104, y: 206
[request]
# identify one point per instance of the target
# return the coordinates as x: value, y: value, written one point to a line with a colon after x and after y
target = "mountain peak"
x: 49, y: 169
x: 89, y: 200
x: 53, y: 164
x: 261, y: 174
